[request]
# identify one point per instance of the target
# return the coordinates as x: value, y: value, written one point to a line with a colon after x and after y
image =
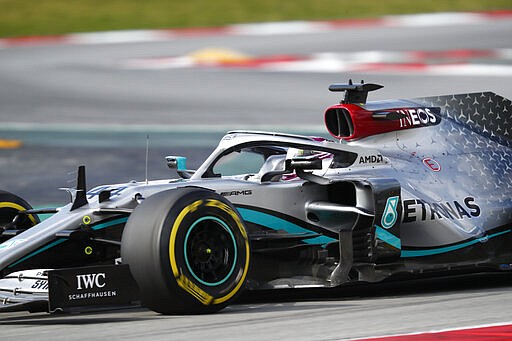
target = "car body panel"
x: 406, y: 187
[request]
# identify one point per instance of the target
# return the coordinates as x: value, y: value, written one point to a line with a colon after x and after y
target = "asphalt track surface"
x: 383, y: 309
x: 72, y: 105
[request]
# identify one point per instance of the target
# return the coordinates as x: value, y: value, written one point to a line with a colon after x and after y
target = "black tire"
x: 10, y: 205
x: 188, y: 251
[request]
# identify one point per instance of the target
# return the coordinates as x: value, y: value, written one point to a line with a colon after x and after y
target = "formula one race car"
x: 407, y: 187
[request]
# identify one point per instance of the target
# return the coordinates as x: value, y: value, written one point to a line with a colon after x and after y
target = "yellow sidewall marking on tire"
x: 186, y: 283
x: 88, y: 250
x: 17, y: 207
x: 189, y: 286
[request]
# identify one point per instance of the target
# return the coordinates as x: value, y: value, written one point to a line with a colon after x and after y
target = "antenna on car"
x: 147, y: 156
x: 355, y: 93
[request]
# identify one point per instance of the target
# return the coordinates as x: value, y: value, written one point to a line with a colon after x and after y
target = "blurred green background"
x: 51, y: 17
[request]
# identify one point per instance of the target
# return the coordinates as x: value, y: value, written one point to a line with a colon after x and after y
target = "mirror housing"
x: 303, y: 163
x: 176, y: 162
x: 180, y: 164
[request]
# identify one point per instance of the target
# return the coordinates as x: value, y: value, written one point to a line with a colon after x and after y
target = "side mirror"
x: 297, y: 164
x: 303, y: 163
x: 180, y: 164
x: 176, y: 162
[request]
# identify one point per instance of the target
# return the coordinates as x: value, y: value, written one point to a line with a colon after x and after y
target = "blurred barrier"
x: 270, y: 28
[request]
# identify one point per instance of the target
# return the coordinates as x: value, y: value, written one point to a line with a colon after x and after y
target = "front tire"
x: 188, y: 251
x: 10, y: 205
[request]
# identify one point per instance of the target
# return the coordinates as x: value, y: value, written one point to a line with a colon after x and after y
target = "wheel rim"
x: 8, y: 210
x: 6, y: 216
x: 210, y: 251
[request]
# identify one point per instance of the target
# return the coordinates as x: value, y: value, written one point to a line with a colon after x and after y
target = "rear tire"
x: 188, y: 251
x: 10, y: 205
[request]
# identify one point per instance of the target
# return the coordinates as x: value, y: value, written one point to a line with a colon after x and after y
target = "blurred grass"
x: 51, y: 17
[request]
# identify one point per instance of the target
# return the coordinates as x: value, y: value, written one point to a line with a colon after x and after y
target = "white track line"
x: 498, y: 324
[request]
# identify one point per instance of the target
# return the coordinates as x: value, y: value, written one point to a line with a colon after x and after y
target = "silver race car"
x: 404, y: 188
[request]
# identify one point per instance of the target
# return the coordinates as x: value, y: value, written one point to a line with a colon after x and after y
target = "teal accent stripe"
x: 388, y: 237
x: 421, y: 253
x: 62, y: 240
x: 38, y: 251
x: 110, y: 223
x: 275, y: 223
